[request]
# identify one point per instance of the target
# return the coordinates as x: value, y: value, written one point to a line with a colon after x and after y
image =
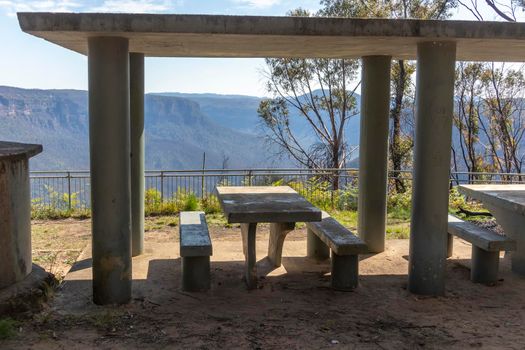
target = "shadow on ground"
x: 293, y: 306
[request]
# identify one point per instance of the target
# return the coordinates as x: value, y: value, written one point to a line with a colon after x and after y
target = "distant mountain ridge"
x: 179, y: 128
x: 234, y: 111
x: 240, y: 113
x: 178, y: 131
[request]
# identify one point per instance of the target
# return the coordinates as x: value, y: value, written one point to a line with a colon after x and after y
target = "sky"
x: 30, y: 62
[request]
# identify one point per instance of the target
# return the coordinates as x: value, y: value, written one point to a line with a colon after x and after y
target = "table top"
x: 14, y: 150
x: 253, y: 204
x: 508, y: 196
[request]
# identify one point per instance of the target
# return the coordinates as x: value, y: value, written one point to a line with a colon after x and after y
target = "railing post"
x: 69, y: 190
x: 249, y: 178
x: 202, y: 187
x: 162, y: 187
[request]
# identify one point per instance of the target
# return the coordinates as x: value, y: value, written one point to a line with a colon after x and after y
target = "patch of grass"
x: 398, y: 231
x: 56, y: 245
x: 153, y: 223
x: 217, y: 219
x: 7, y: 328
x: 348, y: 218
x: 104, y: 320
x: 40, y: 212
x: 398, y: 226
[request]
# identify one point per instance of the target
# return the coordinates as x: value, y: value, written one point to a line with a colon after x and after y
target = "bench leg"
x: 315, y: 248
x: 196, y: 273
x: 345, y: 271
x: 484, y: 266
x: 450, y: 245
x: 278, y: 232
x: 248, y: 246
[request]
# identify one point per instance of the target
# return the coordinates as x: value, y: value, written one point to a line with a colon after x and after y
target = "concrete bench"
x: 486, y: 246
x: 346, y: 247
x: 195, y: 251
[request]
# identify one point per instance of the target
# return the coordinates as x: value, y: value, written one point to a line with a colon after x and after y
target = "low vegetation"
x: 7, y: 328
x: 342, y: 204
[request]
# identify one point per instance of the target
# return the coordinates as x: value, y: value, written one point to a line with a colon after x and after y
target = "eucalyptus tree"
x: 322, y: 92
x: 504, y: 116
x: 467, y: 114
x: 402, y: 107
x: 319, y: 93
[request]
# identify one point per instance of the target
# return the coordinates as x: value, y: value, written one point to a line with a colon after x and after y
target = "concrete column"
x: 373, y: 151
x: 136, y: 85
x: 434, y: 108
x: 15, y: 212
x: 109, y: 141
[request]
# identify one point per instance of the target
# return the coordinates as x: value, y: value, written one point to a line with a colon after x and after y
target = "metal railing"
x: 71, y: 189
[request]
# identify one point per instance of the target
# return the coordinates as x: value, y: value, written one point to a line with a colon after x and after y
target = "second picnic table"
x: 280, y: 206
x: 507, y: 203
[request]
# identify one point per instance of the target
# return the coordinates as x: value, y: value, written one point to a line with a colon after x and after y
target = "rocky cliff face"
x: 177, y: 131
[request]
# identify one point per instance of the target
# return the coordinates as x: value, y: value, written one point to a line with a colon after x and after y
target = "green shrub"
x: 152, y: 202
x: 210, y: 205
x: 7, y: 328
x: 190, y: 203
x: 347, y: 199
x: 456, y: 200
x: 59, y: 206
x: 399, y: 205
x: 315, y: 190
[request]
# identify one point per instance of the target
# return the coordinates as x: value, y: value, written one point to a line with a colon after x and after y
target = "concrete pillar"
x: 434, y: 108
x: 136, y: 85
x: 373, y: 151
x: 109, y: 142
x: 15, y: 211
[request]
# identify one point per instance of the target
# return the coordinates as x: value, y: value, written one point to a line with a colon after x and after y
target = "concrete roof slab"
x: 258, y: 36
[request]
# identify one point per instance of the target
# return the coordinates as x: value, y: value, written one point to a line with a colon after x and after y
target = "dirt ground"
x: 293, y: 306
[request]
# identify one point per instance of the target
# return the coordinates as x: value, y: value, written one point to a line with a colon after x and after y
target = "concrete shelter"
x: 116, y: 45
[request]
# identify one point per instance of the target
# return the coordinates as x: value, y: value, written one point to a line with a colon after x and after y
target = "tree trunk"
x: 396, y: 154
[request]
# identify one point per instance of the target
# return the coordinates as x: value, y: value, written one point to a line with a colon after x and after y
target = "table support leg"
x: 450, y: 245
x: 278, y: 232
x: 248, y: 246
x: 512, y: 224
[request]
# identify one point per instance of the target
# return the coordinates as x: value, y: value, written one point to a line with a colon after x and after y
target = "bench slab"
x: 340, y: 239
x: 479, y: 236
x: 194, y: 235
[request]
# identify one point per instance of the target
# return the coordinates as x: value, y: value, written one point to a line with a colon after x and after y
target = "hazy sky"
x: 29, y: 62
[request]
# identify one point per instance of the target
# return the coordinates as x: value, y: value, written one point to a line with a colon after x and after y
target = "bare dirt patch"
x: 293, y: 307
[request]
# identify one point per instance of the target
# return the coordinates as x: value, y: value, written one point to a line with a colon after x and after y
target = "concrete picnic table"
x: 280, y: 206
x: 507, y: 205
